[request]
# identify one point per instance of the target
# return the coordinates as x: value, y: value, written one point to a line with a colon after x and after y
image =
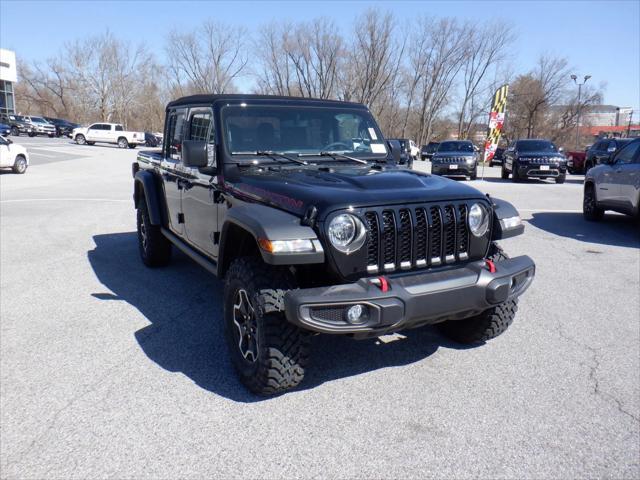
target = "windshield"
x: 18, y: 118
x: 455, y: 147
x: 303, y: 130
x: 432, y: 147
x: 536, y: 146
x: 38, y: 120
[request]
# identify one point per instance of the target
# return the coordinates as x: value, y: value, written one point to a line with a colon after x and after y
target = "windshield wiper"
x: 333, y: 155
x: 272, y: 154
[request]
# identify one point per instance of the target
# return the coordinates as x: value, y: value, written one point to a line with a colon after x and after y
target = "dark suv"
x: 427, y: 151
x: 17, y: 123
x: 602, y: 150
x: 455, y: 158
x: 300, y: 206
x: 534, y: 158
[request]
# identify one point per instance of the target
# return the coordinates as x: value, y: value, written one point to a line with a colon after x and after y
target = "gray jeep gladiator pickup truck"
x: 300, y: 206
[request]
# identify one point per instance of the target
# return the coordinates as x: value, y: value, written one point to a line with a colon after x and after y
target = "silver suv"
x: 614, y: 184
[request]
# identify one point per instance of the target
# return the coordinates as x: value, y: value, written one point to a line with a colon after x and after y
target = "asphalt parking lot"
x: 109, y: 369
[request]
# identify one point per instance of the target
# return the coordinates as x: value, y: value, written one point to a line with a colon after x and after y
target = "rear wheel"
x: 590, y: 209
x: 80, y: 140
x: 122, y: 142
x: 15, y: 132
x: 490, y: 323
x: 268, y: 353
x: 154, y: 248
x: 20, y: 165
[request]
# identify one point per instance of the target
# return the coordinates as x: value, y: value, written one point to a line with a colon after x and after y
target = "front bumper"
x: 411, y: 300
x: 458, y: 168
x: 539, y: 171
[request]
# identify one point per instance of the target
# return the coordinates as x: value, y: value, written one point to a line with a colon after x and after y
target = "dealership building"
x: 8, y: 77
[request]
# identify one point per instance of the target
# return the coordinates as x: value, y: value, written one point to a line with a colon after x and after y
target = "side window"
x: 174, y: 134
x: 628, y: 153
x: 119, y: 128
x: 201, y: 128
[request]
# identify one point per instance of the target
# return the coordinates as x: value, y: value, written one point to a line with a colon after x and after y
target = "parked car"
x: 315, y: 232
x: 405, y: 151
x: 614, y: 184
x: 39, y: 126
x: 5, y: 129
x: 602, y: 150
x: 17, y: 123
x: 427, y: 151
x: 498, y: 157
x: 13, y: 156
x: 455, y: 158
x: 63, y: 127
x: 151, y: 140
x: 576, y: 161
x: 534, y: 158
x: 107, y: 133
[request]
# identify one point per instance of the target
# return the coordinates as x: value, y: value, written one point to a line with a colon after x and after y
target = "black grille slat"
x: 435, y: 235
x: 421, y: 237
x: 404, y: 239
x: 449, y: 233
x: 463, y: 231
x: 388, y: 239
x: 373, y: 244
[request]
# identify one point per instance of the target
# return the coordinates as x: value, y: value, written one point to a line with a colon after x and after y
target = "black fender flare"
x: 502, y: 210
x: 263, y: 222
x: 145, y: 183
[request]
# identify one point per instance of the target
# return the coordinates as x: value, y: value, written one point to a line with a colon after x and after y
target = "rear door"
x: 171, y: 169
x: 199, y: 194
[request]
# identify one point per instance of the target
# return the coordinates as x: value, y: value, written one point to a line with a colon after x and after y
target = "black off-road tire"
x: 282, y: 349
x: 489, y: 324
x: 590, y: 209
x: 561, y: 178
x: 503, y: 173
x: 20, y: 165
x: 154, y: 248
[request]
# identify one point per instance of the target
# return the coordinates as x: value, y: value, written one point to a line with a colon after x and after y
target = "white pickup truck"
x: 107, y: 133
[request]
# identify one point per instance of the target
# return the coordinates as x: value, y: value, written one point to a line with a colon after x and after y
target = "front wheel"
x: 20, y: 165
x: 503, y: 173
x: 590, y: 209
x: 515, y: 176
x: 474, y: 175
x: 487, y: 325
x: 15, y: 132
x: 561, y: 178
x: 122, y: 142
x: 154, y: 247
x: 80, y: 140
x: 268, y: 353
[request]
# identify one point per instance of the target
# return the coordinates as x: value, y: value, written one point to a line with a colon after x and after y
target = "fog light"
x: 355, y: 313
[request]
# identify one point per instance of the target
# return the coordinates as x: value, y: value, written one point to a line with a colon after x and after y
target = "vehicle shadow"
x: 183, y: 304
x: 616, y: 230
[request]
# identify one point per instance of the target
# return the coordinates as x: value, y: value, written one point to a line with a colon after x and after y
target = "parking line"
x: 533, y: 210
x: 20, y: 200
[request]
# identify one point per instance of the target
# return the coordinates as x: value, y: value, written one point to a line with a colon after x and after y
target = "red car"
x: 575, y: 161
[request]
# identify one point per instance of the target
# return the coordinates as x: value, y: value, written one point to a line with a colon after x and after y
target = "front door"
x: 200, y: 195
x: 5, y: 154
x: 626, y: 174
x: 171, y: 168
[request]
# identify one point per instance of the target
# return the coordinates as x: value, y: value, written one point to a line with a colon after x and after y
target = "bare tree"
x: 485, y: 49
x: 208, y: 59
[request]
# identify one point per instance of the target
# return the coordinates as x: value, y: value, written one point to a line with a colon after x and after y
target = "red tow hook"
x: 381, y: 282
x: 491, y: 266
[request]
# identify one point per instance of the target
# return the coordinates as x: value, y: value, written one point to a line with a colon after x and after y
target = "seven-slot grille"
x: 428, y: 235
x: 541, y: 160
x: 452, y: 159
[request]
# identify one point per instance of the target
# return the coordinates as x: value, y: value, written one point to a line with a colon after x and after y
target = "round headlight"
x: 478, y: 220
x: 346, y: 233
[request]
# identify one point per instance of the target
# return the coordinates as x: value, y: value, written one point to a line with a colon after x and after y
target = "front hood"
x: 296, y: 189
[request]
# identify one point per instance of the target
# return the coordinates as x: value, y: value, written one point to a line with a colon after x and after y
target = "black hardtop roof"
x: 208, y: 99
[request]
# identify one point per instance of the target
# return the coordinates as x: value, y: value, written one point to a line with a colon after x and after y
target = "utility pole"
x: 575, y: 80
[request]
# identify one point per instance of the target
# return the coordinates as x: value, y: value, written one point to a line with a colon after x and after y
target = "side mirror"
x: 611, y: 149
x: 560, y: 150
x: 394, y: 146
x: 194, y: 153
x: 476, y: 149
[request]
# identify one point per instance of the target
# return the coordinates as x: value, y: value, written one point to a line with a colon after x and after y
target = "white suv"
x: 13, y: 156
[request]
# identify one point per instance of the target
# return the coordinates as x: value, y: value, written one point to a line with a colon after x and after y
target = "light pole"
x: 575, y: 80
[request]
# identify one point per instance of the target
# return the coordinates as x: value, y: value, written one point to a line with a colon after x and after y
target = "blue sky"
x: 599, y: 38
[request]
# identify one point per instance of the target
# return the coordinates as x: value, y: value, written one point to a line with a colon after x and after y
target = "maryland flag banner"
x: 496, y: 121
